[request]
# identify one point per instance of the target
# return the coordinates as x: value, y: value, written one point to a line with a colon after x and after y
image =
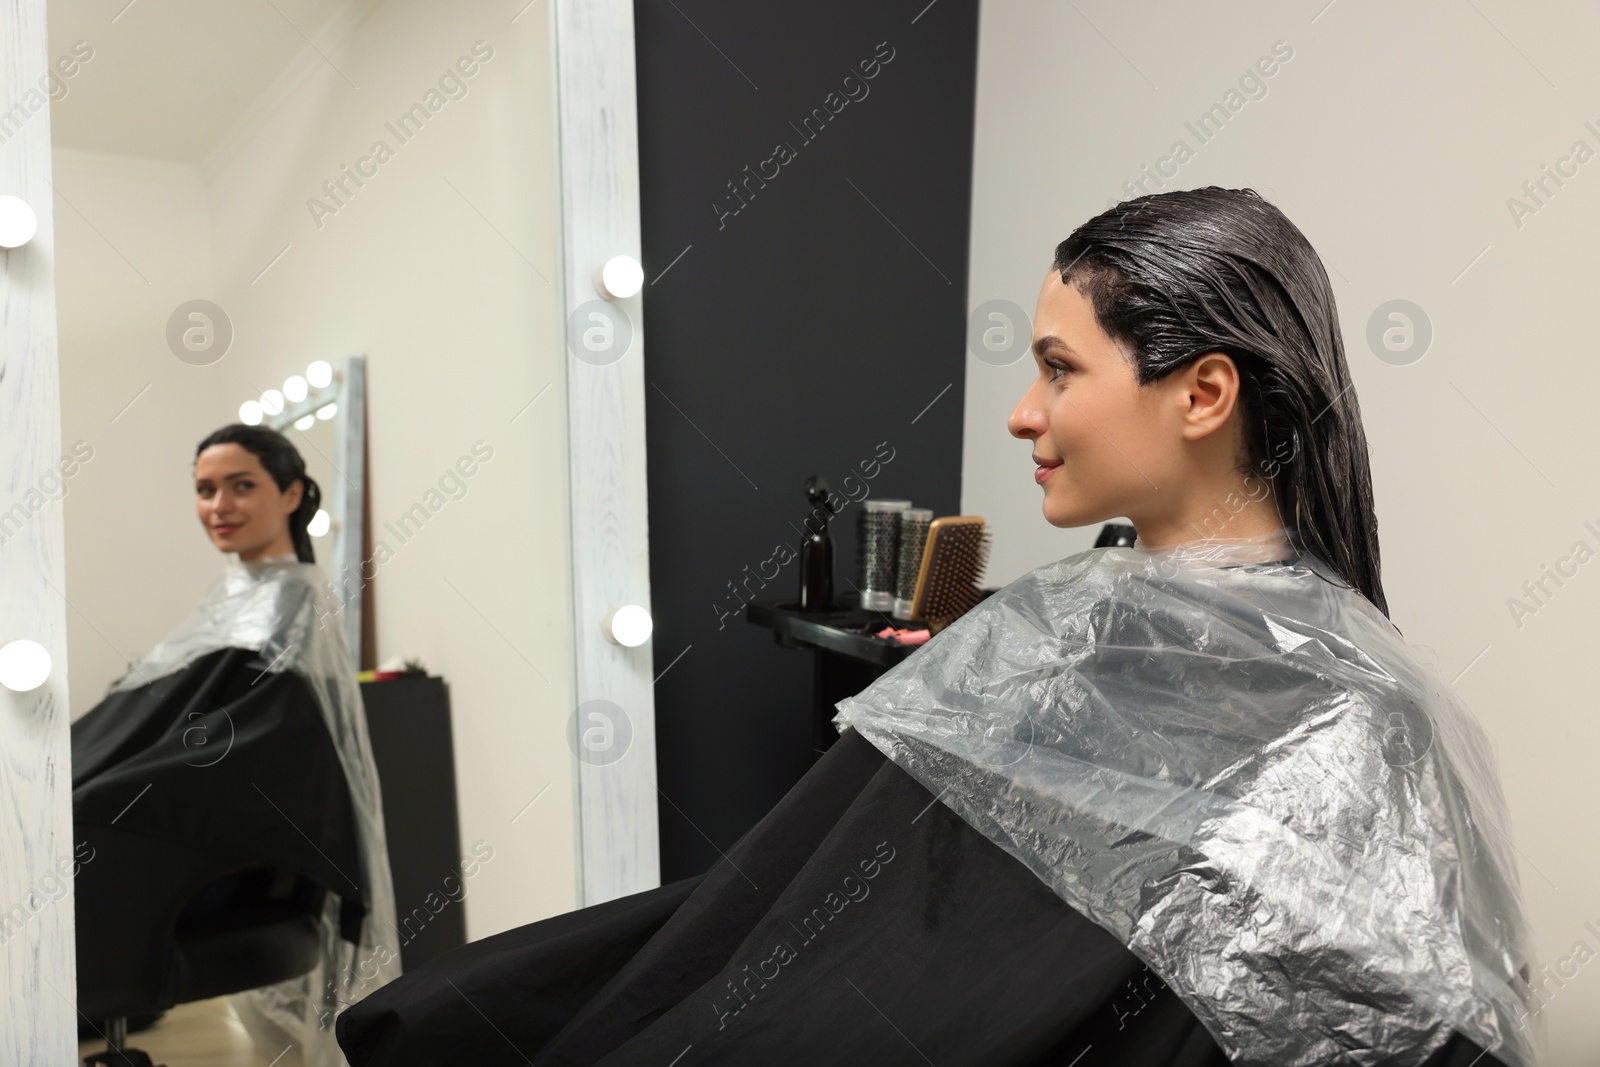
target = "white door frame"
x: 598, y: 153
x: 37, y: 966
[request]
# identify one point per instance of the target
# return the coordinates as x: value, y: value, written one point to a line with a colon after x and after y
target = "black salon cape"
x: 180, y: 785
x: 860, y: 922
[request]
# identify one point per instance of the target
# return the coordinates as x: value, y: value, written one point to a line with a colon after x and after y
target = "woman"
x: 1186, y: 804
x: 229, y: 779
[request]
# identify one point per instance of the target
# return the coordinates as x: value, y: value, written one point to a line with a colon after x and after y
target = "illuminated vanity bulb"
x: 18, y: 223
x: 319, y: 523
x: 629, y: 626
x: 620, y: 278
x: 320, y: 374
x: 272, y: 402
x: 305, y: 423
x: 294, y: 387
x: 327, y: 411
x: 24, y: 665
x: 250, y: 413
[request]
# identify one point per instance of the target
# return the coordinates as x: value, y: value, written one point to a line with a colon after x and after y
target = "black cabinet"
x: 408, y: 719
x: 846, y: 657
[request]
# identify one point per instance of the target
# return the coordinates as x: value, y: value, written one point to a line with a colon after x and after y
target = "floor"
x: 206, y: 1033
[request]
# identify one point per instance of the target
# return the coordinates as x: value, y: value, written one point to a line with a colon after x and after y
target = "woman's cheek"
x: 1065, y: 420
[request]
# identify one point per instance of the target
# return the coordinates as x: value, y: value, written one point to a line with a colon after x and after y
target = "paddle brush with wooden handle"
x: 953, y: 562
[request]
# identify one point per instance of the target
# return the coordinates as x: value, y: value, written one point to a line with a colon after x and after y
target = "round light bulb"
x: 24, y: 665
x: 250, y: 413
x: 621, y: 277
x: 18, y: 223
x: 319, y: 523
x: 629, y: 626
x: 272, y: 402
x: 320, y: 374
x: 294, y: 387
x: 327, y: 411
x: 305, y: 422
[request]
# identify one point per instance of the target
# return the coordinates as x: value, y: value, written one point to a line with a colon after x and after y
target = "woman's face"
x: 240, y: 505
x: 1102, y: 443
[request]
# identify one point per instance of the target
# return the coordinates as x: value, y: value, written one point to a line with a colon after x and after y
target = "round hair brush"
x: 913, y: 537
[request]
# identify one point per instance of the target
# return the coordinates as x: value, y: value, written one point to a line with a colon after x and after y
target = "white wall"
x: 133, y: 242
x: 437, y: 270
x: 1393, y: 138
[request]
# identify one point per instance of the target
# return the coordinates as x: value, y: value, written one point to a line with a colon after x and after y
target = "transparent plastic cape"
x: 1239, y: 767
x: 278, y: 607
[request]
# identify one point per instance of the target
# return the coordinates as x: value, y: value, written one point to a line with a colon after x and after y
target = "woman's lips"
x: 226, y: 529
x: 1044, y: 470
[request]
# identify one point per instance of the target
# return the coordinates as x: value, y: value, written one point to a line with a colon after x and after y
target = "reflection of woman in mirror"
x: 255, y: 862
x: 1189, y: 803
x: 253, y: 495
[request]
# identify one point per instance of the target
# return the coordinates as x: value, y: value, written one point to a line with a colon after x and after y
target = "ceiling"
x: 168, y: 78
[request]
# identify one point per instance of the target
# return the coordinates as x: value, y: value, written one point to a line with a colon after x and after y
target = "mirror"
x: 323, y: 411
x: 246, y: 191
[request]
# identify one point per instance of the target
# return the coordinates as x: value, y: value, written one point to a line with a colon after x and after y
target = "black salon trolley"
x: 846, y: 657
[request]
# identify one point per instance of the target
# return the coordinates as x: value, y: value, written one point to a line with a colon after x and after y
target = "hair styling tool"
x: 913, y: 538
x: 878, y: 528
x: 952, y: 565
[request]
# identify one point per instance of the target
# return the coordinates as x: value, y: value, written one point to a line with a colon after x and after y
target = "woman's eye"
x: 1057, y: 369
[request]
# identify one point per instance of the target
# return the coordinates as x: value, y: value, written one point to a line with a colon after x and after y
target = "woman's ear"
x: 1211, y: 384
x: 293, y: 495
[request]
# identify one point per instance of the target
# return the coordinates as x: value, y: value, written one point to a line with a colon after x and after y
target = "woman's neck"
x: 1239, y: 508
x: 280, y: 546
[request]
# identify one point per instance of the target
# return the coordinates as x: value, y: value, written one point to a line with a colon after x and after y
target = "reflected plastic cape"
x: 1238, y: 766
x: 283, y: 609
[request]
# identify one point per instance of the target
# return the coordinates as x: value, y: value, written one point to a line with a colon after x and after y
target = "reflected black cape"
x: 180, y: 786
x: 860, y: 922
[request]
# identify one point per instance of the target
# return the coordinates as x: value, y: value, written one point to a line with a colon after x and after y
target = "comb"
x: 953, y: 561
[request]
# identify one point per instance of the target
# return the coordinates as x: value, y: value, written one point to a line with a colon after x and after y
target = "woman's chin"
x: 1063, y: 517
x: 230, y: 544
x: 1068, y: 516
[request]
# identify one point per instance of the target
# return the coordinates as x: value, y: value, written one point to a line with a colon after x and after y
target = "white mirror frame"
x: 598, y: 151
x: 618, y: 850
x: 38, y: 1013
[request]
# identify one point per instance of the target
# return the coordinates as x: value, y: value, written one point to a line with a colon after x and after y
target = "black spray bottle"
x: 816, y: 553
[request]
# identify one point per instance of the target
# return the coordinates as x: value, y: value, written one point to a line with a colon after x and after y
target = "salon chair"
x: 246, y: 930
x: 206, y: 869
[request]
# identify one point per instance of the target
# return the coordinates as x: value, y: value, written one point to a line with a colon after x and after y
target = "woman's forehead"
x: 227, y: 460
x: 1065, y: 322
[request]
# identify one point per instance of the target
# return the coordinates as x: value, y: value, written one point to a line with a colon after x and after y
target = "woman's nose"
x: 1027, y: 418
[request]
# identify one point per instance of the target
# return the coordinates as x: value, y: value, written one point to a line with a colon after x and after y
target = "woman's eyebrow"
x: 1049, y: 343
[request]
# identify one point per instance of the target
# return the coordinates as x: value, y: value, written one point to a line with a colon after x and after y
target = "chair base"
x: 117, y: 1053
x: 88, y: 1031
x: 128, y: 1057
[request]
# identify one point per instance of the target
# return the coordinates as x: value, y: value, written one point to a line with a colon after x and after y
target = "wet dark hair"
x: 283, y: 461
x: 1173, y: 276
